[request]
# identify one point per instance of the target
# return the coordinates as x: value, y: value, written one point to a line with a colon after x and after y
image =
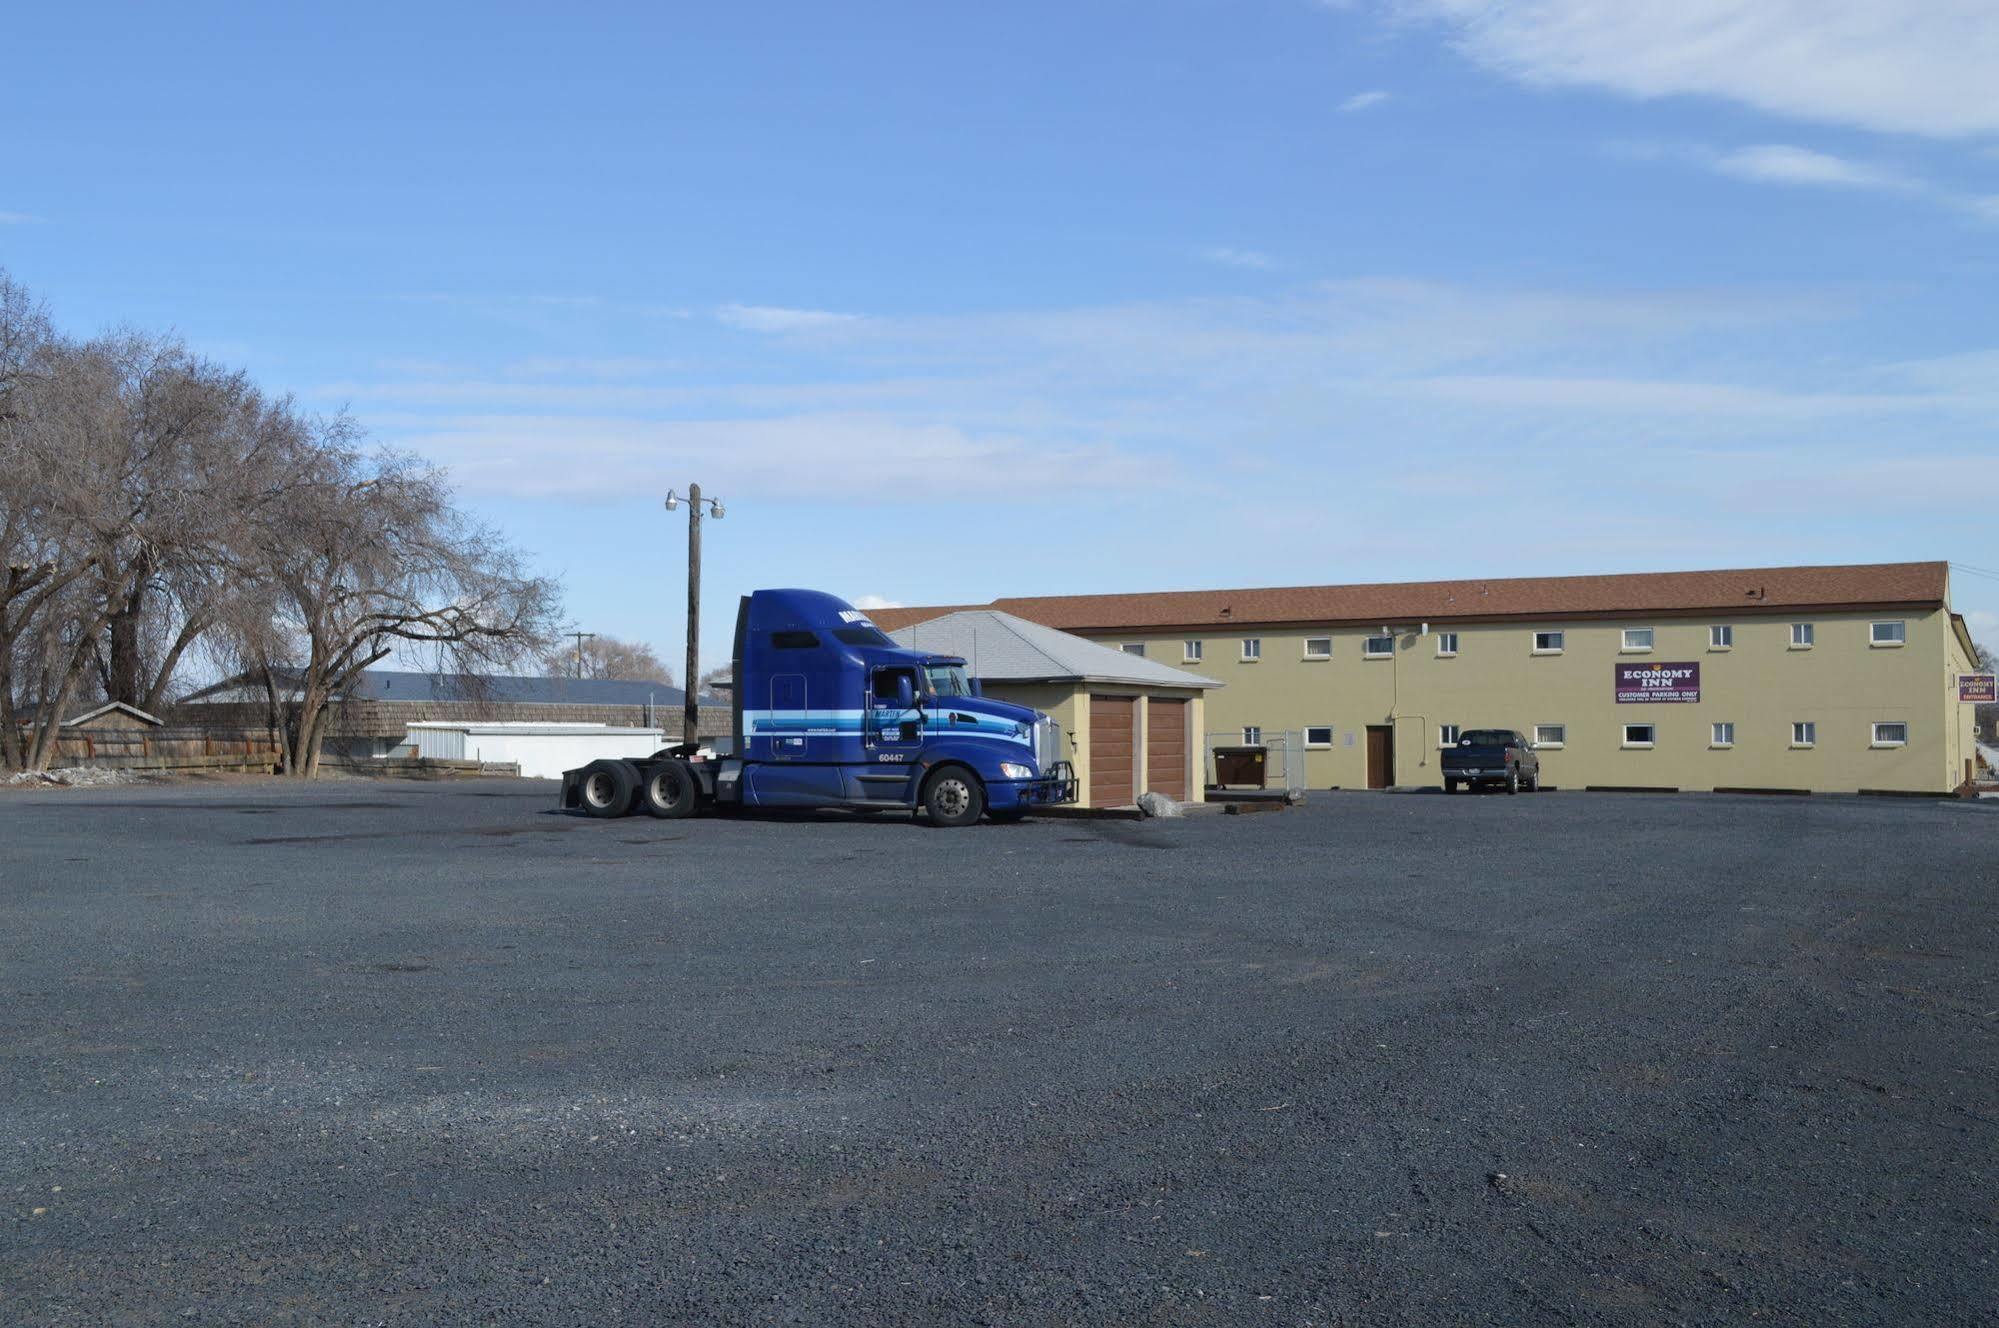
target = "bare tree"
x: 608, y: 657
x: 367, y: 558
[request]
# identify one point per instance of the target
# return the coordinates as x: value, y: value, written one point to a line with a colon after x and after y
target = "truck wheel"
x: 670, y: 791
x: 1534, y: 783
x: 1450, y: 786
x: 607, y: 788
x: 953, y: 797
x: 1513, y: 780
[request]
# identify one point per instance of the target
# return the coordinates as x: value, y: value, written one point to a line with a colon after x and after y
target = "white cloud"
x: 1890, y: 65
x: 876, y: 602
x: 769, y: 318
x: 1230, y: 256
x: 1360, y: 101
x: 1782, y: 164
x: 18, y: 218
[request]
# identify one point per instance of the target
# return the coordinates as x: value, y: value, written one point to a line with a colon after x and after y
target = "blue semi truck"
x: 829, y: 712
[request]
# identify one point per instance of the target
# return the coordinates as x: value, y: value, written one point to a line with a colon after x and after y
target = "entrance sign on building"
x: 1982, y: 688
x: 1658, y: 682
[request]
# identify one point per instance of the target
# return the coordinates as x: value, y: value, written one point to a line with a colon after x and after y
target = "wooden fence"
x: 179, y: 748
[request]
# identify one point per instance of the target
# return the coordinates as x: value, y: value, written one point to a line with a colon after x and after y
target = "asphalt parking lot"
x: 391, y: 1053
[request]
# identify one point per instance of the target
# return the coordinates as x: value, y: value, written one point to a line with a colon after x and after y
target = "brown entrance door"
x: 1112, y: 750
x: 1380, y: 756
x: 1166, y: 747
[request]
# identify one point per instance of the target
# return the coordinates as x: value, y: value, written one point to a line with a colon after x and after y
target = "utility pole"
x: 691, y: 681
x: 581, y: 637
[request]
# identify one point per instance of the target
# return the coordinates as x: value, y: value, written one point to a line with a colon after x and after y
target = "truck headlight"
x: 1013, y: 771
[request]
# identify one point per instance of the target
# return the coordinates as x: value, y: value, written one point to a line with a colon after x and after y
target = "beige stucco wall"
x: 1069, y: 704
x: 1496, y: 680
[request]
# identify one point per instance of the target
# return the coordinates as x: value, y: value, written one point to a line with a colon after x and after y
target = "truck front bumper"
x: 1056, y: 785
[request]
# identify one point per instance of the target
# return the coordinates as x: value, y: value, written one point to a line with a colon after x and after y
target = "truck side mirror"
x: 977, y: 689
x: 905, y: 691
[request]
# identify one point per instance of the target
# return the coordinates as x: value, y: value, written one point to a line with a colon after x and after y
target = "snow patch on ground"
x: 78, y: 776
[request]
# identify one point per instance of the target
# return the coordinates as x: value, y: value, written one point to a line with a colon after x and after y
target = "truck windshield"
x: 1484, y: 738
x: 947, y: 680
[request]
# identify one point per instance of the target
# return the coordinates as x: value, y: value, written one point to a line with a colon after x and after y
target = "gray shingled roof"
x: 1002, y: 648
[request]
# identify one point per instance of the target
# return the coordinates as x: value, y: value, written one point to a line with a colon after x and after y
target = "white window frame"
x: 1311, y: 641
x: 1874, y: 738
x: 1447, y: 651
x: 1447, y: 736
x: 1252, y: 735
x: 1561, y: 637
x: 1721, y: 734
x: 1624, y: 646
x: 1550, y: 744
x: 1327, y: 729
x: 1804, y: 734
x: 1252, y: 649
x: 1133, y: 648
x: 1190, y: 652
x: 1721, y: 636
x: 1804, y: 635
x: 1900, y: 625
x: 1631, y: 744
x: 1367, y: 650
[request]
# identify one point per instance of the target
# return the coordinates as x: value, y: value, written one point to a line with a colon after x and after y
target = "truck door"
x: 787, y: 713
x: 895, y: 722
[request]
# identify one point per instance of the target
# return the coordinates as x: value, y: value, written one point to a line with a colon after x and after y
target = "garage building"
x: 1831, y: 678
x: 1134, y: 724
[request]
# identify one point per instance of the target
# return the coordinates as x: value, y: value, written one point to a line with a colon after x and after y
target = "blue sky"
x: 950, y: 302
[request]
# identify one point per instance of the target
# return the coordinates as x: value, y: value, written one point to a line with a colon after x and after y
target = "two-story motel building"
x: 1834, y: 679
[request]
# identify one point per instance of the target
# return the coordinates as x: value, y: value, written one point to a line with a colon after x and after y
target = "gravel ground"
x: 422, y: 1054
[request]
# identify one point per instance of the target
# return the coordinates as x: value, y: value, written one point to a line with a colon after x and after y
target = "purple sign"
x: 1658, y: 682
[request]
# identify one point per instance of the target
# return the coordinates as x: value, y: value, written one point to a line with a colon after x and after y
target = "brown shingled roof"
x: 1749, y: 590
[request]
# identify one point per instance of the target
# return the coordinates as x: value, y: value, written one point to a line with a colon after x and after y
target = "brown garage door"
x: 1166, y: 747
x: 1111, y: 750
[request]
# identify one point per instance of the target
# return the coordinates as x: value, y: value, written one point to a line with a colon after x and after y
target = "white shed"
x: 542, y: 751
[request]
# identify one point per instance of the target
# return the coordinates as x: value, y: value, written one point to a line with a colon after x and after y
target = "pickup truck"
x: 1494, y: 757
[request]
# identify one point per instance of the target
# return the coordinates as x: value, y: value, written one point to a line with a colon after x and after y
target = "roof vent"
x: 1226, y: 610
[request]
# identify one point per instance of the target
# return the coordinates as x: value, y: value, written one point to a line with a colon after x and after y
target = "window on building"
x: 1801, y: 636
x: 1252, y: 736
x: 1318, y: 647
x: 1377, y: 647
x: 1721, y: 636
x: 1893, y: 734
x: 1252, y: 647
x: 1447, y: 643
x: 1550, y: 735
x: 1804, y: 733
x: 1548, y: 643
x: 1319, y: 735
x: 1190, y: 651
x: 1887, y: 633
x: 1721, y: 734
x: 1134, y: 648
x: 1639, y: 735
x: 1447, y: 735
x: 1637, y: 638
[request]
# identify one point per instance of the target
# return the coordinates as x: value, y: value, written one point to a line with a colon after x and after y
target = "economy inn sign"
x: 1658, y: 682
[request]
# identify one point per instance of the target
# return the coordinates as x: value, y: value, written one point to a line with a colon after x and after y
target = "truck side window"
x: 793, y: 641
x: 885, y: 685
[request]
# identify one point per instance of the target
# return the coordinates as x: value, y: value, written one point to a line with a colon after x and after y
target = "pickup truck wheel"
x: 953, y: 797
x: 1513, y: 780
x: 670, y: 792
x: 1534, y: 783
x: 607, y: 788
x: 1450, y: 786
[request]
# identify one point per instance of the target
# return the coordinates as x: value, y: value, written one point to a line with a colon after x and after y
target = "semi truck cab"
x: 829, y: 712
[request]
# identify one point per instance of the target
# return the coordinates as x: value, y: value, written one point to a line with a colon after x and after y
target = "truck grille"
x: 1047, y: 743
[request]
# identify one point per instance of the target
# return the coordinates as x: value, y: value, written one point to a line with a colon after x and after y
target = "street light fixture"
x: 691, y: 711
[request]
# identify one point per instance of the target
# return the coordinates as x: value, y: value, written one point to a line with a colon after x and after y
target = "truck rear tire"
x: 607, y: 788
x: 670, y: 791
x: 953, y: 797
